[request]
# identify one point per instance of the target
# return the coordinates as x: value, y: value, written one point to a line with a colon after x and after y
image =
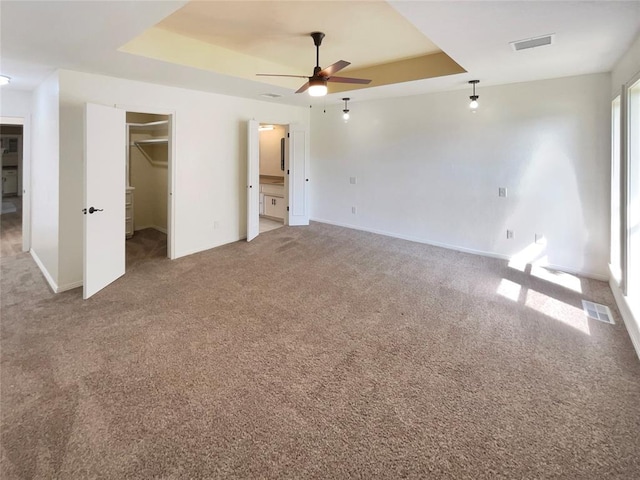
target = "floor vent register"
x: 597, y: 311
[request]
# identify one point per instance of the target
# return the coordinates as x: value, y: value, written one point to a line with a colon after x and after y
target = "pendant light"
x: 345, y: 112
x: 474, y: 98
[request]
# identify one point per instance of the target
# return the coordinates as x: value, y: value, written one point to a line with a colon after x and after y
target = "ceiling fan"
x: 317, y: 84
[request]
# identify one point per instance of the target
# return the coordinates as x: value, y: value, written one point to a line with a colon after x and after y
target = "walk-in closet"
x: 147, y: 186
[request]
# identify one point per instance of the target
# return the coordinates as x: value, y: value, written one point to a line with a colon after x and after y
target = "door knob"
x: 91, y: 210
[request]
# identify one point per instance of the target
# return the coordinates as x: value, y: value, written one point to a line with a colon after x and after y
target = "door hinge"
x: 288, y: 135
x: 287, y: 208
x: 287, y: 172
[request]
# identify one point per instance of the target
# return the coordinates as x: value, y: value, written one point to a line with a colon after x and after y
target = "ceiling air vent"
x: 270, y: 95
x: 533, y: 42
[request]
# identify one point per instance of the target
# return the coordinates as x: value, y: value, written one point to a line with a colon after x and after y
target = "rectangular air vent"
x: 270, y: 95
x: 532, y: 42
x: 597, y: 311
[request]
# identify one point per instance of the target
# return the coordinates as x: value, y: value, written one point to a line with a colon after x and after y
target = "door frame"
x: 171, y: 169
x: 285, y: 220
x: 25, y: 173
x: 288, y: 126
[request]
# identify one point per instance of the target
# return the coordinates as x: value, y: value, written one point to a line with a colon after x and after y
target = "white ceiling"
x: 590, y: 36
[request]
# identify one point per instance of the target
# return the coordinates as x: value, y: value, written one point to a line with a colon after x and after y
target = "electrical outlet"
x: 502, y: 192
x: 353, y: 180
x: 354, y: 210
x: 509, y: 234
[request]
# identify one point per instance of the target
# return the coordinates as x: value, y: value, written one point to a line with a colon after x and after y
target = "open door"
x: 104, y: 212
x: 298, y: 178
x: 253, y: 180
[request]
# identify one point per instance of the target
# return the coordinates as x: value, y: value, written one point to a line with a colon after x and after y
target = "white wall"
x: 151, y: 187
x: 45, y: 174
x: 210, y: 143
x: 429, y: 170
x: 15, y: 103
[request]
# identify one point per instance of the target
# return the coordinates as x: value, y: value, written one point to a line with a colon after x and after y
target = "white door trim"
x: 253, y: 180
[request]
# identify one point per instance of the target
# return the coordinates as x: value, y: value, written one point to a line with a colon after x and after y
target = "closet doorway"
x: 111, y: 195
x: 147, y: 187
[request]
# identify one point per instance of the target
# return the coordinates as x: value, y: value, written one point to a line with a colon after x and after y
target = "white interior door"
x: 298, y: 180
x: 104, y: 218
x: 253, y: 180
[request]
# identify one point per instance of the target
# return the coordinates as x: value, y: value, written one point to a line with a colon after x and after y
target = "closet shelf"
x: 151, y: 141
x: 148, y: 127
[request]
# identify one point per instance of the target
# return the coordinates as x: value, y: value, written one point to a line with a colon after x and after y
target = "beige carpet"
x: 315, y: 352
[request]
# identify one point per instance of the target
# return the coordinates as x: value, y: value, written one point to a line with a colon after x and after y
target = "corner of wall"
x: 626, y: 67
x: 45, y: 174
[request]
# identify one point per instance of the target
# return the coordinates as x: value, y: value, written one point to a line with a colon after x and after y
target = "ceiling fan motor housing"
x: 317, y: 38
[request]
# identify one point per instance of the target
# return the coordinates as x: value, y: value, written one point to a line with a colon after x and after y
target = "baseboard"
x: 628, y: 317
x: 186, y: 253
x: 52, y: 284
x: 155, y: 227
x: 595, y: 276
x: 70, y: 286
x: 275, y: 219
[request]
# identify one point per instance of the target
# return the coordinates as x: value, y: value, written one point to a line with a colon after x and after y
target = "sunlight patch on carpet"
x: 561, y: 311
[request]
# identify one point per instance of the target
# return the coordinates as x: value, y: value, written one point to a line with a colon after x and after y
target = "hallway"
x: 11, y: 228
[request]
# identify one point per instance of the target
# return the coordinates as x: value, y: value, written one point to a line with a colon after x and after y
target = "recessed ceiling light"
x: 4, y: 80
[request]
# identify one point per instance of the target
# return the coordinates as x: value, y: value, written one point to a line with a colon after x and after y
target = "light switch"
x: 353, y: 180
x: 502, y: 191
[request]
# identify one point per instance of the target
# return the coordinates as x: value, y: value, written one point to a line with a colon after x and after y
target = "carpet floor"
x: 316, y: 352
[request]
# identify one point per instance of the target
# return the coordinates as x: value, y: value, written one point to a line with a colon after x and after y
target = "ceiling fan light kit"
x: 317, y: 87
x: 317, y: 84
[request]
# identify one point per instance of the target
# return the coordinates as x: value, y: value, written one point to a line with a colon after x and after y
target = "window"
x: 615, y: 260
x: 632, y: 263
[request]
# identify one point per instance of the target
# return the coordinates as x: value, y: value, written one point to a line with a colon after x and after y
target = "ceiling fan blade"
x: 277, y: 75
x: 303, y: 88
x: 336, y: 67
x: 363, y: 81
